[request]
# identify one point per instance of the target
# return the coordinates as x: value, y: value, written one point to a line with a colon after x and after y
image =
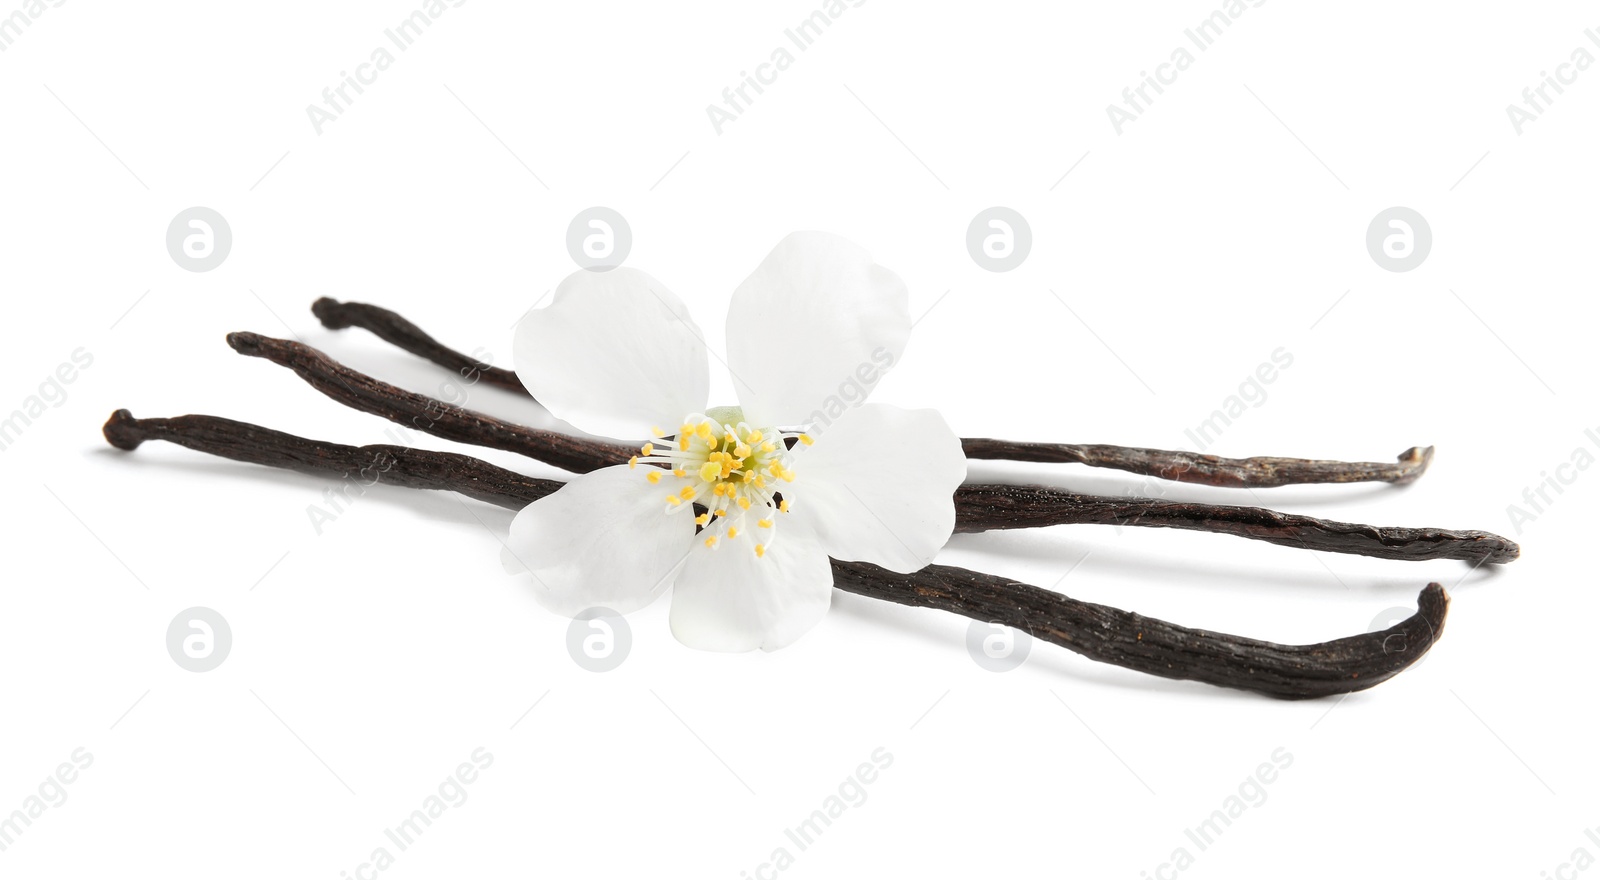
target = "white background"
x: 1228, y: 221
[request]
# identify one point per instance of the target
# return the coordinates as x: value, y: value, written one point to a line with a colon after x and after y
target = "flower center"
x: 734, y: 476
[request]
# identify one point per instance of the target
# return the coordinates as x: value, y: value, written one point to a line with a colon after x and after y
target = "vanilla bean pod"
x: 981, y: 507
x: 1207, y: 470
x: 361, y: 392
x: 1156, y: 647
x: 368, y: 465
x: 403, y: 334
x: 978, y: 507
x: 1165, y: 464
x: 1099, y: 632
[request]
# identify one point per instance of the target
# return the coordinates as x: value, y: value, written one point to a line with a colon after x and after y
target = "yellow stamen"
x: 744, y: 503
x: 764, y: 523
x: 633, y: 462
x: 761, y: 550
x: 711, y: 541
x: 710, y: 471
x: 654, y: 477
x: 806, y: 439
x: 733, y: 532
x: 647, y: 448
x: 687, y: 494
x: 784, y: 505
x: 702, y: 519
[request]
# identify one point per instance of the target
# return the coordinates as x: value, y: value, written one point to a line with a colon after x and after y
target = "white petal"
x: 817, y: 319
x: 601, y: 540
x: 729, y: 599
x: 878, y: 484
x: 614, y: 353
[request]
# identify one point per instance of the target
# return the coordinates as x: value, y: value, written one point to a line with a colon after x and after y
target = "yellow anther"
x: 703, y: 430
x: 647, y: 448
x: 710, y: 471
x: 744, y: 503
x: 687, y: 494
x: 764, y: 523
x: 788, y: 475
x: 721, y: 511
x: 711, y: 541
x: 674, y: 500
x: 683, y: 442
x: 806, y: 439
x: 761, y: 549
x: 769, y: 447
x: 761, y: 482
x: 657, y: 432
x: 732, y: 532
x: 755, y: 437
x: 741, y: 451
x: 654, y: 477
x: 633, y: 462
x: 784, y: 505
x: 702, y: 519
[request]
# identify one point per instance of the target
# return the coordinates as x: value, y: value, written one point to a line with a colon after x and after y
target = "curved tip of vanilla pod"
x: 1391, y: 651
x: 245, y: 342
x: 119, y: 431
x: 326, y: 309
x: 1414, y: 463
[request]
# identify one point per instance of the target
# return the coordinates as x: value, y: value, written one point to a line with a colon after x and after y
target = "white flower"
x: 739, y: 507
